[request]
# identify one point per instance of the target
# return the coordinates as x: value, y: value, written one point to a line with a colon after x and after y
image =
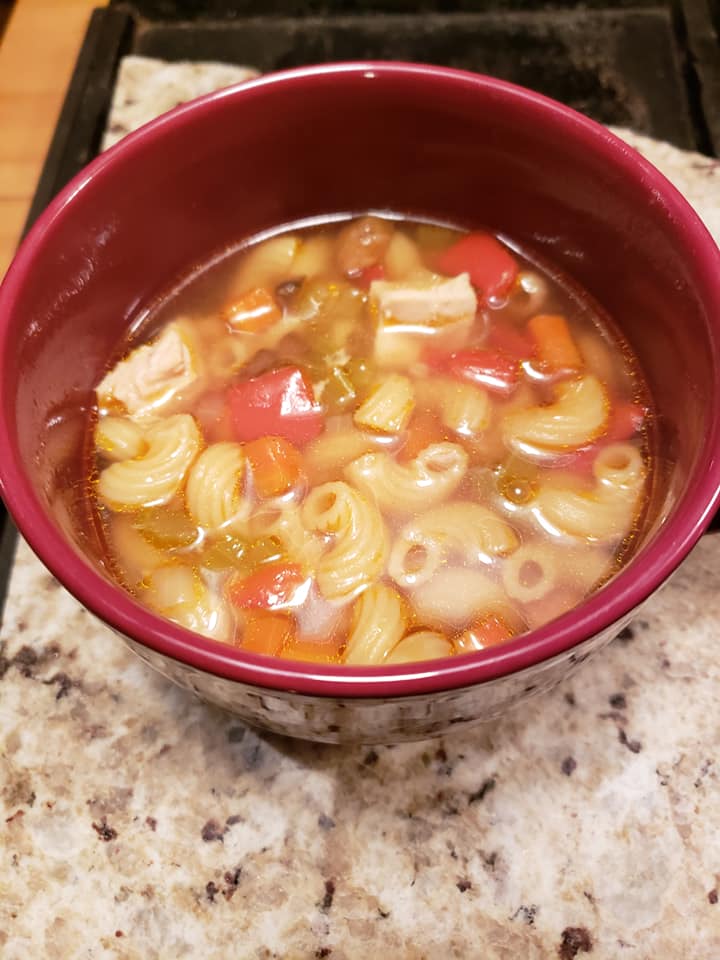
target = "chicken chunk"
x: 150, y: 375
x: 413, y: 315
x: 425, y: 303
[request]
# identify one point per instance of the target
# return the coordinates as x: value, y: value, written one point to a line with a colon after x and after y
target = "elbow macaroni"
x: 430, y: 478
x: 358, y: 553
x: 157, y: 475
x: 457, y: 595
x: 178, y: 592
x: 530, y: 572
x: 326, y: 457
x: 119, y: 438
x: 472, y: 531
x: 284, y: 522
x: 214, y: 491
x: 379, y: 622
x: 421, y: 645
x: 578, y: 416
x: 604, y: 514
x: 464, y: 408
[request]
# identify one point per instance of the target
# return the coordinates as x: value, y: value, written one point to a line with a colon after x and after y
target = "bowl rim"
x: 609, y: 607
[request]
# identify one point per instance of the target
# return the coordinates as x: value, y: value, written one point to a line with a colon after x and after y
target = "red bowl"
x: 348, y: 137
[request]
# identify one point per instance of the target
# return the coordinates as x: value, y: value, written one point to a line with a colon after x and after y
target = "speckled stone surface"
x: 139, y: 824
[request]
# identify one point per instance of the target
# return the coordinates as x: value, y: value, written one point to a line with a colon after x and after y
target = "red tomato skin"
x: 492, y: 268
x: 273, y: 586
x: 495, y: 371
x: 279, y: 403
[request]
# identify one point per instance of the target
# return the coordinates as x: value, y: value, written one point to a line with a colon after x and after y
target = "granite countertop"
x: 139, y: 824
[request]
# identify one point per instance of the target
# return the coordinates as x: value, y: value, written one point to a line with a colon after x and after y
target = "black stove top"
x: 650, y: 65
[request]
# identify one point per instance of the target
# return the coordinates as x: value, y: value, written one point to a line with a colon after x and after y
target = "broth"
x: 367, y: 441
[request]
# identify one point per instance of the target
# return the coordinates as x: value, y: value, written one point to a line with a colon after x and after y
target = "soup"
x: 369, y: 441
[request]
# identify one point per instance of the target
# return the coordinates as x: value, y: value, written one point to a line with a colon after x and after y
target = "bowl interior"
x: 424, y: 141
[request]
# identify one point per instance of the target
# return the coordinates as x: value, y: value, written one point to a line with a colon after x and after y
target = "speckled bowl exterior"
x: 416, y: 139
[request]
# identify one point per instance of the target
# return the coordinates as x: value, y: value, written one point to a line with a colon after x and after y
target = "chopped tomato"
x: 267, y: 633
x: 253, y: 312
x: 275, y: 463
x: 486, y: 632
x: 272, y: 586
x: 491, y: 266
x: 511, y: 341
x: 375, y: 272
x: 424, y: 428
x: 279, y: 403
x: 491, y: 369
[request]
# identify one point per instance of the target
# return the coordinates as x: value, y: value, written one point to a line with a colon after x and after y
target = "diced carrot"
x: 272, y: 586
x: 312, y: 649
x: 253, y: 312
x: 276, y: 465
x: 555, y: 345
x: 489, y: 631
x: 267, y: 633
x: 423, y: 429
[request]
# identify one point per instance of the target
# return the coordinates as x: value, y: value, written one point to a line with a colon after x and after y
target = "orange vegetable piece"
x: 267, y: 632
x: 253, y: 312
x: 423, y: 429
x: 276, y: 465
x: 271, y: 586
x: 489, y: 631
x: 555, y: 344
x: 312, y: 650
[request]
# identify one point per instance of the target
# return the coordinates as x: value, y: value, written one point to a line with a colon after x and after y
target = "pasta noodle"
x: 283, y: 521
x: 577, y: 417
x: 468, y: 529
x: 357, y: 555
x: 585, y: 568
x: 379, y: 622
x: 119, y: 438
x: 214, y: 491
x: 604, y: 514
x: 430, y: 478
x: 154, y: 477
x: 389, y: 406
x: 136, y: 556
x: 530, y: 572
x: 421, y: 645
x: 178, y: 592
x: 326, y: 457
x: 265, y: 264
x: 456, y: 595
x: 619, y: 470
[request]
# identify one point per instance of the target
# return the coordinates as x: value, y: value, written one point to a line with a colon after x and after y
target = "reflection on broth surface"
x: 370, y: 441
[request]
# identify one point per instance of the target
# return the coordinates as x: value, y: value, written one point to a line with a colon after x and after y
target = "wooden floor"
x: 39, y: 46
